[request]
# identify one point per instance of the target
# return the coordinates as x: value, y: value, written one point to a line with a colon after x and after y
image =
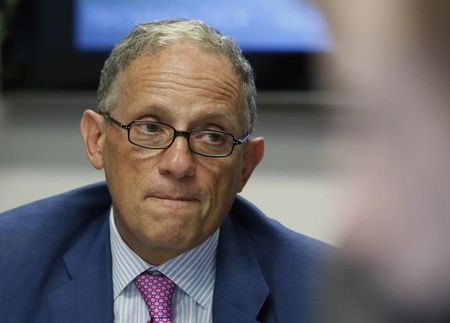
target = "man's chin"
x: 174, y: 241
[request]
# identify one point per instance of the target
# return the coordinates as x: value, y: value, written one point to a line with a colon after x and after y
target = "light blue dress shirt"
x: 193, y: 272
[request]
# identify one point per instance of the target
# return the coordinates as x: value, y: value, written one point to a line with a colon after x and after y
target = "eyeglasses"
x: 157, y: 135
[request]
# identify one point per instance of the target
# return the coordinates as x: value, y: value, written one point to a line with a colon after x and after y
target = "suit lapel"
x: 87, y: 296
x: 240, y: 288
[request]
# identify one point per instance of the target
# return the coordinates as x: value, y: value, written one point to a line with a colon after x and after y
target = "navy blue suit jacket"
x: 55, y: 264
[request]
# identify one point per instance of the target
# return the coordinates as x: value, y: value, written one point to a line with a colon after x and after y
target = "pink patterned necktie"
x: 157, y: 292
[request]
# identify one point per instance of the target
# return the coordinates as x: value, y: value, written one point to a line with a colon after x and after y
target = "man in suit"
x: 176, y: 107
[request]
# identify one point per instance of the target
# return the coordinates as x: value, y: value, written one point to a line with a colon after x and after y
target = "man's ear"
x: 254, y: 152
x: 93, y: 133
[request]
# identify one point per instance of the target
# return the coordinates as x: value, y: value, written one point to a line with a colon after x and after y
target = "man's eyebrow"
x: 156, y: 108
x: 215, y: 115
x: 204, y: 115
x: 218, y: 117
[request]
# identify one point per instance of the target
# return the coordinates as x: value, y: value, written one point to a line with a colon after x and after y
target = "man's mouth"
x: 174, y: 198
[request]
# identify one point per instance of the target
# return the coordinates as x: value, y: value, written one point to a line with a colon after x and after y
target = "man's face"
x: 168, y: 201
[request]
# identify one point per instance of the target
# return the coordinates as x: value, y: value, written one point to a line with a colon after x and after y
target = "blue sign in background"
x: 257, y: 25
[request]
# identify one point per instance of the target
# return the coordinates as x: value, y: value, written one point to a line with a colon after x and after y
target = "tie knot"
x: 157, y: 292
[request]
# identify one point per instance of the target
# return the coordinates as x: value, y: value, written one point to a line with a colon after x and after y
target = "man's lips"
x: 175, y: 198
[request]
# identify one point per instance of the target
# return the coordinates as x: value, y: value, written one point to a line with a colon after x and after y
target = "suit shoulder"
x: 36, y: 238
x: 49, y: 219
x: 57, y: 204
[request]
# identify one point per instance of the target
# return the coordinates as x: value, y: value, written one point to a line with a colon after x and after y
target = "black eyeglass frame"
x: 177, y: 133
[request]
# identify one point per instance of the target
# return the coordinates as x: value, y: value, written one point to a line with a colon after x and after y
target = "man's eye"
x: 150, y: 128
x: 216, y: 138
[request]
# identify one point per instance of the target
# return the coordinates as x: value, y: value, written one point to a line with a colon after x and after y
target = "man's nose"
x: 177, y: 160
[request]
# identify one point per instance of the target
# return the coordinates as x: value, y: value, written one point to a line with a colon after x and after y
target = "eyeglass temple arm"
x: 111, y: 119
x: 242, y: 141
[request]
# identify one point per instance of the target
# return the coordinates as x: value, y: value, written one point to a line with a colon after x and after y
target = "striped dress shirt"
x: 193, y: 272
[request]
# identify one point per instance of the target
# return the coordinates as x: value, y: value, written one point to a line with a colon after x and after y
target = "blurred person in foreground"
x: 176, y: 109
x: 395, y: 262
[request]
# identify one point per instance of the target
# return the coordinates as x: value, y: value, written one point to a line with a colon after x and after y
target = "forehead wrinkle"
x: 147, y: 78
x: 226, y: 88
x: 228, y: 85
x: 203, y: 91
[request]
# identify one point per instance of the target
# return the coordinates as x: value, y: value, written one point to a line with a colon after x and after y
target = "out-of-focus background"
x: 52, y: 52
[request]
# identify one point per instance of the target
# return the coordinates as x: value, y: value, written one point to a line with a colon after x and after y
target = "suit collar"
x: 87, y: 296
x: 240, y: 290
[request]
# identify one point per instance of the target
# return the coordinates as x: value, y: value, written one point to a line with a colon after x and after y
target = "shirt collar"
x: 193, y: 271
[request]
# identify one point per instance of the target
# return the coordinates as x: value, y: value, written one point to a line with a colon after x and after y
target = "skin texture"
x: 169, y: 201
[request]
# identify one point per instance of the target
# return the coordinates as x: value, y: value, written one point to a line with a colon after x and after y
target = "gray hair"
x: 155, y: 36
